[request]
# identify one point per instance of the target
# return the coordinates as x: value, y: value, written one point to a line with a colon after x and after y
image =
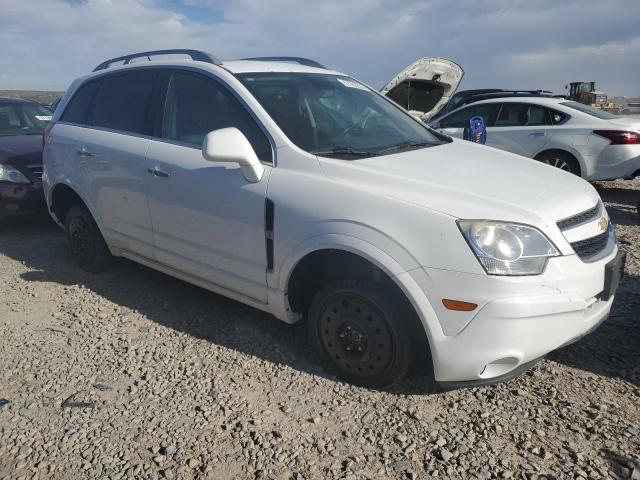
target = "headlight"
x: 10, y: 174
x: 508, y: 248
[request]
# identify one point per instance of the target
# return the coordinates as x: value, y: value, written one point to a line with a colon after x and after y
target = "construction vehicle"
x: 585, y: 92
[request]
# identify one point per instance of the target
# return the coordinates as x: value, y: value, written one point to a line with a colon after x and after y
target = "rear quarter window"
x: 558, y: 118
x: 78, y: 108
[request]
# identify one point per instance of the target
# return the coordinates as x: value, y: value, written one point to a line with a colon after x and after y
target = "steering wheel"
x: 349, y: 129
x: 367, y: 117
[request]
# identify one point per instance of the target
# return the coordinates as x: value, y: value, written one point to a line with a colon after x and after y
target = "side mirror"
x: 230, y: 145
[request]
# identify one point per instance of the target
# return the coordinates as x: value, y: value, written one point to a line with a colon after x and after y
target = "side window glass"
x: 123, y: 101
x: 558, y: 118
x: 512, y: 115
x: 79, y: 106
x: 460, y: 119
x: 537, y: 115
x: 197, y: 105
x: 8, y: 117
x: 521, y: 115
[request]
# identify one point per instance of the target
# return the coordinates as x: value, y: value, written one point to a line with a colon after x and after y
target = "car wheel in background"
x: 562, y: 160
x: 360, y: 333
x: 88, y: 249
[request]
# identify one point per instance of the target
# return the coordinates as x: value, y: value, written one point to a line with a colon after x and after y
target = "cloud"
x: 500, y: 43
x: 540, y: 58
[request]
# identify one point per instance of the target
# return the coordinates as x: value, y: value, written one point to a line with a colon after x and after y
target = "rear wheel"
x: 360, y: 333
x: 562, y: 160
x: 88, y: 249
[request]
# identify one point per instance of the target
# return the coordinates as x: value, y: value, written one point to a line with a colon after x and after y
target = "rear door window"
x: 460, y: 119
x: 123, y: 103
x: 197, y: 105
x: 522, y: 115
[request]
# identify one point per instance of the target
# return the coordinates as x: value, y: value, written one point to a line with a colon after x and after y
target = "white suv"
x: 304, y: 193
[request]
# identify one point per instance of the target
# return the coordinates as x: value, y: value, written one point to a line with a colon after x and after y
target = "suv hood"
x: 470, y: 181
x: 425, y: 86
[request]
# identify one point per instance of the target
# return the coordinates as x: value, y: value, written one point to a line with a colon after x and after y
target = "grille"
x: 590, y: 247
x: 579, y: 218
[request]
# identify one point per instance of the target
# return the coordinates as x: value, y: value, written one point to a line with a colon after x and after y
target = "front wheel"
x: 360, y: 333
x: 88, y: 249
x: 561, y: 160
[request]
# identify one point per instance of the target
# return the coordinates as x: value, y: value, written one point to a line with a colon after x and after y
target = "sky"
x: 520, y: 44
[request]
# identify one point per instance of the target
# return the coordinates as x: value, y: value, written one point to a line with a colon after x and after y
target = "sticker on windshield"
x: 352, y: 84
x: 43, y: 118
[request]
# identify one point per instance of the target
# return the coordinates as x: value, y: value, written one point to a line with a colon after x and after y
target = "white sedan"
x: 591, y: 143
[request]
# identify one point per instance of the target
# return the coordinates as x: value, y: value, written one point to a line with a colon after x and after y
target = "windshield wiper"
x: 403, y: 145
x: 348, y: 151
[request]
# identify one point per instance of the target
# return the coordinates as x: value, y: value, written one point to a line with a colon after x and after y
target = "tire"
x: 360, y: 333
x: 562, y: 160
x: 86, y: 244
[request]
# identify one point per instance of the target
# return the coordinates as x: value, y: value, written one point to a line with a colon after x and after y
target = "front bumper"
x: 21, y: 198
x: 518, y: 319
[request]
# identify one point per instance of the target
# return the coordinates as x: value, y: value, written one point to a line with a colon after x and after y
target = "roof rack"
x: 498, y: 93
x: 300, y: 60
x: 536, y: 92
x: 196, y: 55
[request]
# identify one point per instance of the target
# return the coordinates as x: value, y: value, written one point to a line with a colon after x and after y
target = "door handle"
x: 156, y: 172
x: 537, y: 134
x: 84, y: 152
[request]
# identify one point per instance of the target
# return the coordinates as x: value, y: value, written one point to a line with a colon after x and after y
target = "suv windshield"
x: 22, y: 118
x: 336, y: 116
x: 589, y: 110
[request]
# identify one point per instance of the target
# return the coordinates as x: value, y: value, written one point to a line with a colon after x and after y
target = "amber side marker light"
x: 458, y: 305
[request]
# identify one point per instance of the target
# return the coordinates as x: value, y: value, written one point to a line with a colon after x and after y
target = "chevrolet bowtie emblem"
x: 603, y: 223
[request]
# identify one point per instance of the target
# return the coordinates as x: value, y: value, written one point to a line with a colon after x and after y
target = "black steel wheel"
x: 86, y: 245
x: 562, y: 160
x: 360, y: 333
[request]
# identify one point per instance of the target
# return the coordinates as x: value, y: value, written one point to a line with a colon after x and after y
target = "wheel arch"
x: 567, y: 151
x: 62, y: 196
x: 315, y: 263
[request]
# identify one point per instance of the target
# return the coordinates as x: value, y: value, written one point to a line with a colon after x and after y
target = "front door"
x: 455, y: 123
x: 208, y: 220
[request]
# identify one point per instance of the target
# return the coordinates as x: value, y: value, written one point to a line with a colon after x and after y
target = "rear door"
x: 520, y: 128
x: 111, y: 157
x: 208, y: 220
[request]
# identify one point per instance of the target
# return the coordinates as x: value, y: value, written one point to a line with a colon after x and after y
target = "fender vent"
x: 269, y: 212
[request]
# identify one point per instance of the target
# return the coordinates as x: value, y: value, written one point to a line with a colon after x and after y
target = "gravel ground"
x: 133, y: 374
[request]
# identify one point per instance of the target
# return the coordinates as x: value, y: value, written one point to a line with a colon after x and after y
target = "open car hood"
x: 425, y: 86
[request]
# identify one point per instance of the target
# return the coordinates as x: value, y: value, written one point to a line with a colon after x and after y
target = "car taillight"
x: 620, y: 137
x: 46, y: 135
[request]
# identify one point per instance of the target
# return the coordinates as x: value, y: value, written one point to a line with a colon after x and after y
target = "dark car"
x: 22, y: 123
x: 464, y: 97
